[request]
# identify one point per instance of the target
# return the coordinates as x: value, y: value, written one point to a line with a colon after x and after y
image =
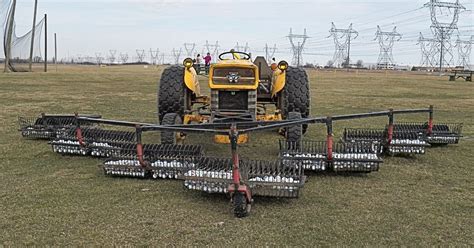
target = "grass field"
x: 48, y: 199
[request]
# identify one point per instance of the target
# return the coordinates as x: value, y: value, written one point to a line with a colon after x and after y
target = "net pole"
x: 8, y: 44
x: 56, y: 51
x: 33, y: 36
x: 45, y: 43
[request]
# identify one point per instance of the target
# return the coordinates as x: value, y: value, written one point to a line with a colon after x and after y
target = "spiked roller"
x: 211, y: 175
x: 356, y: 156
x: 46, y: 126
x: 95, y: 141
x: 438, y: 134
x: 310, y: 155
x: 156, y: 161
x: 274, y: 179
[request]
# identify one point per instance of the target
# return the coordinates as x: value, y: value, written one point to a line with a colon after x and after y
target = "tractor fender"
x: 191, y: 80
x: 279, y: 81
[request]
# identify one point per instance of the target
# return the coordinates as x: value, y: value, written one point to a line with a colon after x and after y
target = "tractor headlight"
x: 283, y: 65
x: 188, y: 63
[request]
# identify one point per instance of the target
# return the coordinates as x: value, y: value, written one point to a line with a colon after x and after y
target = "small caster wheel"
x: 241, y: 206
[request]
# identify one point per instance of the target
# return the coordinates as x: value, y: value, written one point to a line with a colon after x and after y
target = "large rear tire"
x: 294, y: 133
x: 295, y: 97
x: 173, y: 95
x: 168, y: 137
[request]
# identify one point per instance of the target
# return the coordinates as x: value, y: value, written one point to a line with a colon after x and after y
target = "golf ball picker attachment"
x: 243, y: 179
x: 47, y: 126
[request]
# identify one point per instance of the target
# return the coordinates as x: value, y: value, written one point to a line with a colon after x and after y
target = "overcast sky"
x: 85, y: 27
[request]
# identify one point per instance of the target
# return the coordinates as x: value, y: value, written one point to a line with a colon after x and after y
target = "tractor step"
x: 355, y: 156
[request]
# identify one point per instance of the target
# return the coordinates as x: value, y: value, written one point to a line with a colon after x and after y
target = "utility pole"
x: 8, y: 46
x: 33, y: 36
x: 441, y: 57
x: 299, y: 56
x: 45, y: 43
x: 56, y: 51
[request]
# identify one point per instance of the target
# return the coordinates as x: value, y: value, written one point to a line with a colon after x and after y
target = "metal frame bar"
x: 243, y: 127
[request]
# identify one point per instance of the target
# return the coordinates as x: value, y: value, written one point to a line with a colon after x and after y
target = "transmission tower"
x: 270, y: 52
x: 297, y: 42
x: 386, y: 41
x: 124, y: 57
x: 342, y: 41
x: 428, y: 49
x: 98, y: 58
x: 245, y: 49
x: 464, y: 52
x: 162, y: 59
x: 79, y: 59
x: 177, y: 55
x: 140, y: 55
x: 212, y: 49
x: 189, y: 47
x: 112, y: 54
x: 443, y: 30
x: 154, y: 56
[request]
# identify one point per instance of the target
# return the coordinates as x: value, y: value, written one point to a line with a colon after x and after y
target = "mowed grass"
x: 49, y: 199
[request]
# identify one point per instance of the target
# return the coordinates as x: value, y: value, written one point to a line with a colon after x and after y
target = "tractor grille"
x: 246, y: 76
x: 233, y: 100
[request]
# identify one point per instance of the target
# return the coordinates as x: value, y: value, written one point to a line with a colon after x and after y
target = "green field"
x: 49, y: 199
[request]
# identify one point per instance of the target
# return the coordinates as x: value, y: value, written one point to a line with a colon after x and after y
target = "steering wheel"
x: 245, y: 56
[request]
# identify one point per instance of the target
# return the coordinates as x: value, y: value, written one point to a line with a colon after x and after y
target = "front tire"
x: 169, y: 137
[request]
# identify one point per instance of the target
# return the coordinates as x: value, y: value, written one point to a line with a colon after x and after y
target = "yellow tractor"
x: 242, y: 90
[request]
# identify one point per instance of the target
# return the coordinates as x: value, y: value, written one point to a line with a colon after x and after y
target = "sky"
x: 87, y: 27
